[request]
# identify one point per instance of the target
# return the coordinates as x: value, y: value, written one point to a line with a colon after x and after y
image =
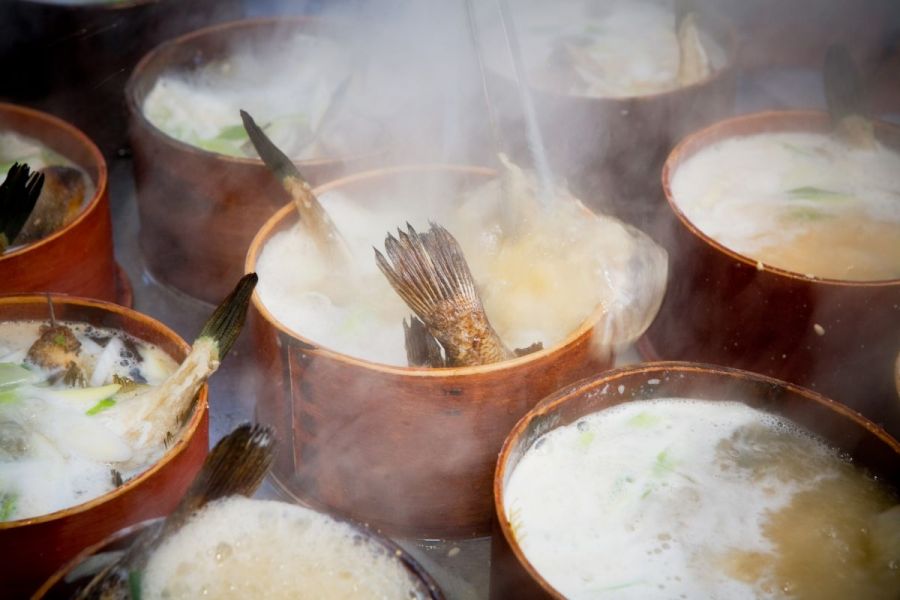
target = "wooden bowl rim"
x: 586, y: 328
x: 730, y: 47
x: 79, y: 137
x: 703, y: 138
x: 104, y: 7
x: 175, y: 450
x: 550, y: 404
x: 412, y: 566
x: 138, y: 74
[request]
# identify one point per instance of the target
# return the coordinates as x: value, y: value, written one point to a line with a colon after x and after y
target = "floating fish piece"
x: 18, y: 195
x: 235, y: 466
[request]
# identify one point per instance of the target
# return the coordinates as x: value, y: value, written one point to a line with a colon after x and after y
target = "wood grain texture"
x: 198, y: 209
x: 720, y: 308
x: 870, y: 447
x: 32, y: 549
x: 408, y: 450
x: 77, y: 259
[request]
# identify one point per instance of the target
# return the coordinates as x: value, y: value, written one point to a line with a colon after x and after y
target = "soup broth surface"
x: 539, y: 278
x: 241, y: 548
x: 688, y: 499
x: 62, y: 444
x: 804, y: 202
x: 315, y: 112
x: 616, y: 48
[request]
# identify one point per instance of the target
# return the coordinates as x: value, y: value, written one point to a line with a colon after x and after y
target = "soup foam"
x: 241, y: 548
x: 679, y: 498
x: 803, y: 202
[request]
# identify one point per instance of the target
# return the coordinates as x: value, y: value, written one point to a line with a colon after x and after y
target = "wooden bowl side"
x: 345, y: 424
x: 721, y: 308
x: 77, y: 259
x: 34, y: 548
x: 868, y: 445
x: 185, y: 193
x: 62, y: 586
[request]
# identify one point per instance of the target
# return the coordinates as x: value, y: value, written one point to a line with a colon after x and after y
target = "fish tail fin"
x: 422, y: 349
x: 19, y: 193
x: 225, y: 324
x: 235, y: 466
x: 312, y: 213
x: 428, y: 271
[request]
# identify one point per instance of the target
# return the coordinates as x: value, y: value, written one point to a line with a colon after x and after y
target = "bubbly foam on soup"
x: 799, y: 201
x: 677, y: 498
x: 241, y: 548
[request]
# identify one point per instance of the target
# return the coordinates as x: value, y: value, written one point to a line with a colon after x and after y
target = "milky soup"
x: 540, y: 275
x: 804, y: 202
x: 66, y: 439
x: 241, y: 548
x: 610, y: 49
x: 687, y: 499
x: 303, y: 90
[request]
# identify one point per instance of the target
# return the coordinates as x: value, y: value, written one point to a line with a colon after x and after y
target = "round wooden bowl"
x: 74, y: 59
x: 721, y: 308
x: 63, y: 584
x: 34, y: 548
x: 408, y: 450
x: 870, y: 447
x: 609, y: 149
x: 200, y: 209
x: 77, y: 259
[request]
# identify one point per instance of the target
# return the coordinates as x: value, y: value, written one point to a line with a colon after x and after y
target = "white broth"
x: 804, y: 202
x: 679, y: 498
x: 241, y: 548
x: 62, y: 443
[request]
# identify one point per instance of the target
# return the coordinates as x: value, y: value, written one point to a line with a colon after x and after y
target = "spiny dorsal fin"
x: 422, y: 349
x: 19, y: 193
x: 236, y: 466
x: 312, y: 214
x: 226, y: 322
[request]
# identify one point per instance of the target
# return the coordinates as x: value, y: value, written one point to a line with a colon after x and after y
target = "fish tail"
x: 422, y: 350
x: 225, y: 324
x: 430, y: 273
x: 18, y: 194
x: 312, y: 213
x: 235, y: 466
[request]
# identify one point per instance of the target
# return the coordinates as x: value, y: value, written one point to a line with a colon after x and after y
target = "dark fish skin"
x: 19, y: 193
x: 236, y: 466
x: 422, y: 350
x: 60, y: 202
x: 430, y: 273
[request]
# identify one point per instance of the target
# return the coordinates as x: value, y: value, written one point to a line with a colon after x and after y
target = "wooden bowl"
x: 512, y: 576
x: 34, y: 548
x: 77, y: 259
x: 63, y: 584
x: 608, y: 149
x: 199, y: 209
x: 720, y: 308
x: 408, y: 450
x: 74, y: 59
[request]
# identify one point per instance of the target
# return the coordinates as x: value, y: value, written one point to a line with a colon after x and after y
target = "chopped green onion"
x: 12, y: 374
x: 232, y: 133
x: 806, y: 214
x: 818, y: 194
x: 101, y: 406
x: 644, y: 419
x: 7, y: 507
x: 664, y: 463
